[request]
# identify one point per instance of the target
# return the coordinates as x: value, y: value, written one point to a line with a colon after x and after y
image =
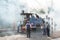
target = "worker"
x: 28, y: 25
x: 48, y: 30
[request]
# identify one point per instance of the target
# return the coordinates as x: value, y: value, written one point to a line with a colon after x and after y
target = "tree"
x: 39, y: 11
x: 42, y: 11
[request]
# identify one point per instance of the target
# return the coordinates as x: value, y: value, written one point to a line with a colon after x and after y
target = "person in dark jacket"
x: 28, y: 29
x: 48, y: 30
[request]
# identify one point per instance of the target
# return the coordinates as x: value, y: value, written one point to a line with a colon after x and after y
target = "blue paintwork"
x: 35, y: 20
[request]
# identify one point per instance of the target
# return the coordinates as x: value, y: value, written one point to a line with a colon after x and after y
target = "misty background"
x: 10, y: 11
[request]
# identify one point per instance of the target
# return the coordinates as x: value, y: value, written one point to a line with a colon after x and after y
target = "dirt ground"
x: 56, y: 35
x: 34, y: 36
x: 14, y: 37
